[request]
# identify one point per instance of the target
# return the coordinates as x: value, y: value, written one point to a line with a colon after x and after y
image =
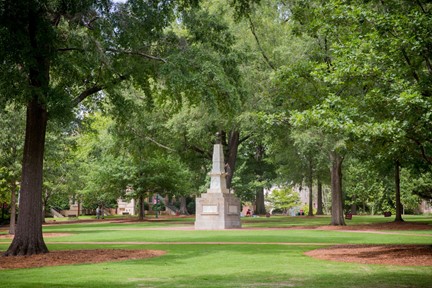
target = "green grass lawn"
x: 230, y: 264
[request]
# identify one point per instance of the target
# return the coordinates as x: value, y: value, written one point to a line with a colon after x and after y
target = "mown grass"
x: 222, y: 265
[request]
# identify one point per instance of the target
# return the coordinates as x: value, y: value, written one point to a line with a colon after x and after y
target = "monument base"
x: 217, y: 211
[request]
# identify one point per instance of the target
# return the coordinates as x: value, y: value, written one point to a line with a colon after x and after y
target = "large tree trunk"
x: 310, y: 184
x: 319, y: 199
x: 183, y: 206
x: 28, y: 239
x: 13, y: 208
x: 397, y: 186
x: 259, y: 202
x: 337, y: 215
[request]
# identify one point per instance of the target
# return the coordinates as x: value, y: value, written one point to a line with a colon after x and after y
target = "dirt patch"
x: 68, y: 257
x: 404, y: 255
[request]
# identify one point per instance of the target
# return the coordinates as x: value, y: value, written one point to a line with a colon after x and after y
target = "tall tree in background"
x: 376, y: 65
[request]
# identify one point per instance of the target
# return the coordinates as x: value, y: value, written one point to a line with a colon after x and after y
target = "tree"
x: 309, y: 146
x: 364, y: 185
x: 58, y: 54
x: 284, y: 199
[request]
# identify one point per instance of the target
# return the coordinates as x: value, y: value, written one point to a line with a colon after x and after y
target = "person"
x: 248, y: 213
x: 97, y: 212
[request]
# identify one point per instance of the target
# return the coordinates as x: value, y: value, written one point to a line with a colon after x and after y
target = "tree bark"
x: 259, y: 197
x: 337, y: 215
x: 28, y: 239
x: 319, y: 199
x: 79, y: 208
x: 183, y: 206
x: 259, y: 202
x: 233, y: 143
x: 141, y: 214
x: 12, y: 222
x: 354, y: 206
x: 398, y: 217
x: 310, y: 184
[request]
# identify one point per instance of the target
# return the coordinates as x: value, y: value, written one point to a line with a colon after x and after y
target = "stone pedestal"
x: 217, y: 212
x: 217, y: 209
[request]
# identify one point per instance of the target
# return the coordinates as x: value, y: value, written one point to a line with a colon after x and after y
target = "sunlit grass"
x: 268, y: 258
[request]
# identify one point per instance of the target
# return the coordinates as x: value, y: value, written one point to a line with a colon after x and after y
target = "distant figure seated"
x: 248, y: 213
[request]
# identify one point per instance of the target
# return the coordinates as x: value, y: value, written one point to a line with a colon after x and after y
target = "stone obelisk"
x: 217, y: 209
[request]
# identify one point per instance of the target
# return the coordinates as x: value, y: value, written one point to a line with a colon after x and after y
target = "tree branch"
x: 421, y: 6
x: 267, y: 60
x: 414, y: 73
x: 423, y: 150
x: 94, y: 89
x: 428, y: 63
x: 159, y: 144
x: 118, y: 51
x: 244, y: 138
x: 201, y: 151
x: 138, y: 54
x: 71, y: 49
x: 89, y: 23
x: 86, y: 93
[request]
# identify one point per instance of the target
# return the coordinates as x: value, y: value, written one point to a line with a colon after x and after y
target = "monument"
x: 217, y: 209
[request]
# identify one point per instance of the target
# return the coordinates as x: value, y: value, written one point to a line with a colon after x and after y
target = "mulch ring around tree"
x: 68, y: 257
x: 404, y: 255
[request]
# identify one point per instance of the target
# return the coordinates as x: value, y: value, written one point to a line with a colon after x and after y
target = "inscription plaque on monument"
x: 210, y: 209
x: 233, y: 209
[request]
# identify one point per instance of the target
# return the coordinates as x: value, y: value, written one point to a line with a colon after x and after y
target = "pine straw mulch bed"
x: 404, y: 255
x: 67, y: 257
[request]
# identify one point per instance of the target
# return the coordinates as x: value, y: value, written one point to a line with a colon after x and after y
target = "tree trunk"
x: 259, y: 197
x: 141, y: 214
x: 259, y: 203
x: 397, y: 186
x: 183, y: 206
x: 310, y: 184
x: 13, y: 208
x: 79, y: 208
x: 319, y: 199
x: 233, y: 143
x: 28, y: 239
x: 337, y: 215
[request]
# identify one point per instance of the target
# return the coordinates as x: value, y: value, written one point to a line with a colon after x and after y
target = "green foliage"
x: 364, y: 187
x: 284, y: 199
x: 203, y: 67
x: 11, y: 146
x: 422, y: 186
